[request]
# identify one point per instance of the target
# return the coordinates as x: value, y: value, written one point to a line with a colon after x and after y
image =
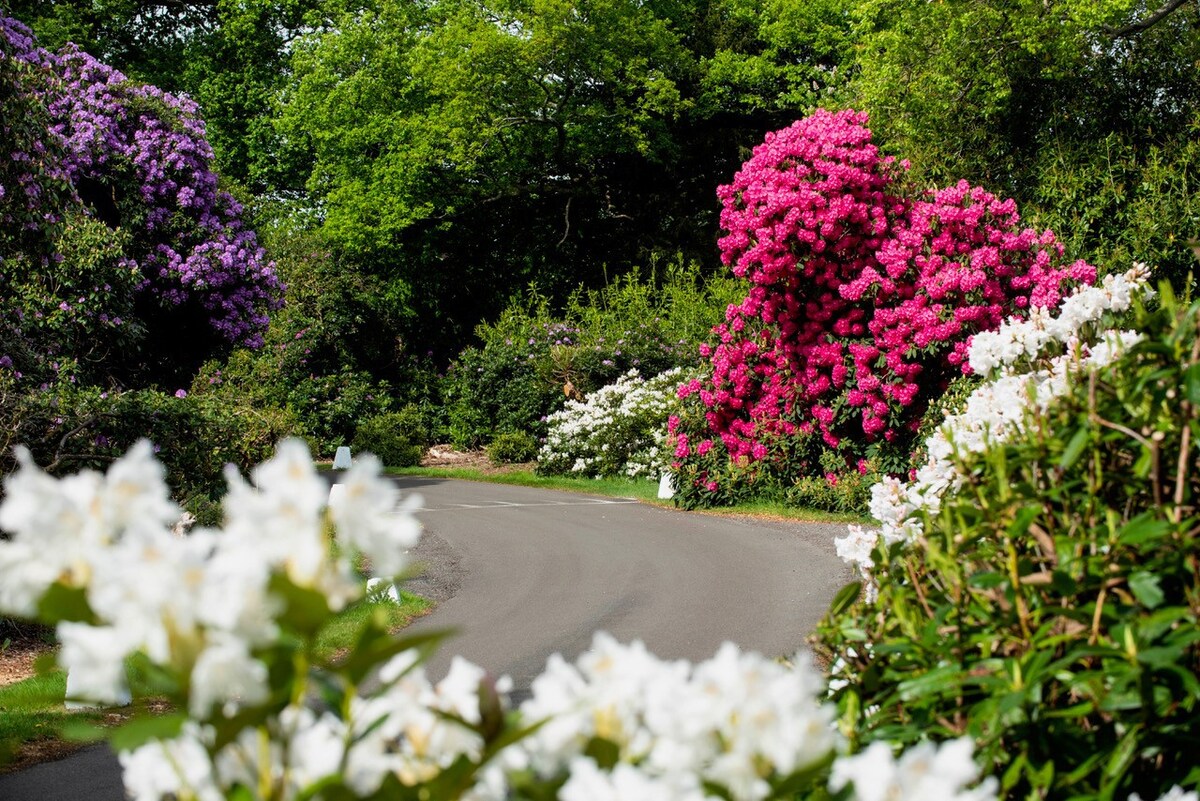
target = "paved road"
x: 522, y: 573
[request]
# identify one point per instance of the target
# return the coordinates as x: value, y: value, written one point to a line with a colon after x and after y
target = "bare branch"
x: 1141, y: 25
x: 566, y: 221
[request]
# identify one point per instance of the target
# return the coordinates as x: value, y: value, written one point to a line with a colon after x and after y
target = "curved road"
x: 522, y: 573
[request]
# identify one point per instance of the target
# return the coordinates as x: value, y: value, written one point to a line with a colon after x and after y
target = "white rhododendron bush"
x: 1035, y: 584
x: 620, y: 429
x: 224, y: 622
x: 1027, y: 364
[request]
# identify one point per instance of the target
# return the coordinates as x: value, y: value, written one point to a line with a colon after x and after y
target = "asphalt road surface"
x: 521, y: 573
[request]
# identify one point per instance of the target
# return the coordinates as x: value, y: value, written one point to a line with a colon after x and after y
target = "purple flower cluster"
x: 139, y: 159
x: 32, y: 176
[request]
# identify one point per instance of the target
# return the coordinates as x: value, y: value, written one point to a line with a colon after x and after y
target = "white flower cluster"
x: 619, y: 429
x: 1023, y: 377
x: 200, y: 603
x: 1176, y: 793
x: 736, y: 721
x: 203, y: 605
x: 410, y: 729
x: 923, y: 771
x: 1026, y: 339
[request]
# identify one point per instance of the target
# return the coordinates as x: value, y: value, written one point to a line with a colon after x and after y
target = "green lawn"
x: 639, y: 489
x: 33, y: 710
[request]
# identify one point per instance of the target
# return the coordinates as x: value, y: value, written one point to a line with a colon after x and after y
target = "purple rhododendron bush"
x: 115, y: 225
x: 864, y: 294
x: 123, y: 266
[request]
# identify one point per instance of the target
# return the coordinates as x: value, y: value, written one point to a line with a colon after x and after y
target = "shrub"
x: 331, y: 405
x: 513, y: 447
x: 68, y: 428
x: 863, y: 297
x: 532, y: 360
x: 618, y: 430
x: 846, y: 492
x: 205, y: 511
x: 1037, y: 582
x: 395, y: 438
x: 501, y: 386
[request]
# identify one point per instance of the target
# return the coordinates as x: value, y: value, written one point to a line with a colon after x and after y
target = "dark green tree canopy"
x: 466, y: 149
x: 451, y: 152
x: 1085, y: 111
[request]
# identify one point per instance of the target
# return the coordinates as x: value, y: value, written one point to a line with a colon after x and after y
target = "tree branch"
x: 566, y: 221
x: 1134, y: 28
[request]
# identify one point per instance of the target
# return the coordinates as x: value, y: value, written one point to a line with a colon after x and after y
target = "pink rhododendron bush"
x: 864, y: 293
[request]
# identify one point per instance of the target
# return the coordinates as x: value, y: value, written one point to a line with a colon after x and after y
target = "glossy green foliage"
x: 531, y: 360
x: 397, y: 438
x: 68, y: 428
x: 1052, y: 608
x: 512, y: 447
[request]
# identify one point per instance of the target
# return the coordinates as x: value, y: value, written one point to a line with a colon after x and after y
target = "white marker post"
x: 341, y: 461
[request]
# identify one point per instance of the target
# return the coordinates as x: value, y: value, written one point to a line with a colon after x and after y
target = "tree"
x: 229, y: 57
x: 1086, y: 109
x: 464, y: 149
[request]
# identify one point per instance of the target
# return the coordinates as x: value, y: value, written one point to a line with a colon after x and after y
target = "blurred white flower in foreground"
x: 201, y: 603
x: 208, y: 608
x: 924, y: 771
x: 1176, y: 793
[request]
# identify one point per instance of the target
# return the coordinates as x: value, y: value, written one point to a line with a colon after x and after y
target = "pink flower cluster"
x: 863, y: 295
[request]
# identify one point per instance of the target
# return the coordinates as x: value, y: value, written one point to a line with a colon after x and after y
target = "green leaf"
x: 1074, y: 448
x: 1020, y: 524
x: 1160, y: 658
x: 714, y: 790
x: 603, y: 752
x: 987, y: 580
x: 305, y: 610
x: 362, y: 661
x: 845, y: 598
x: 934, y: 683
x: 142, y: 729
x: 792, y: 786
x: 1143, y: 528
x: 1063, y: 583
x: 1123, y: 754
x: 240, y: 793
x: 1191, y: 383
x: 65, y: 603
x: 1145, y: 586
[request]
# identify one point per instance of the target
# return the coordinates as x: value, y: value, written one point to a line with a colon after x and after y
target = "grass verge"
x: 342, y: 632
x: 639, y: 489
x: 32, y: 713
